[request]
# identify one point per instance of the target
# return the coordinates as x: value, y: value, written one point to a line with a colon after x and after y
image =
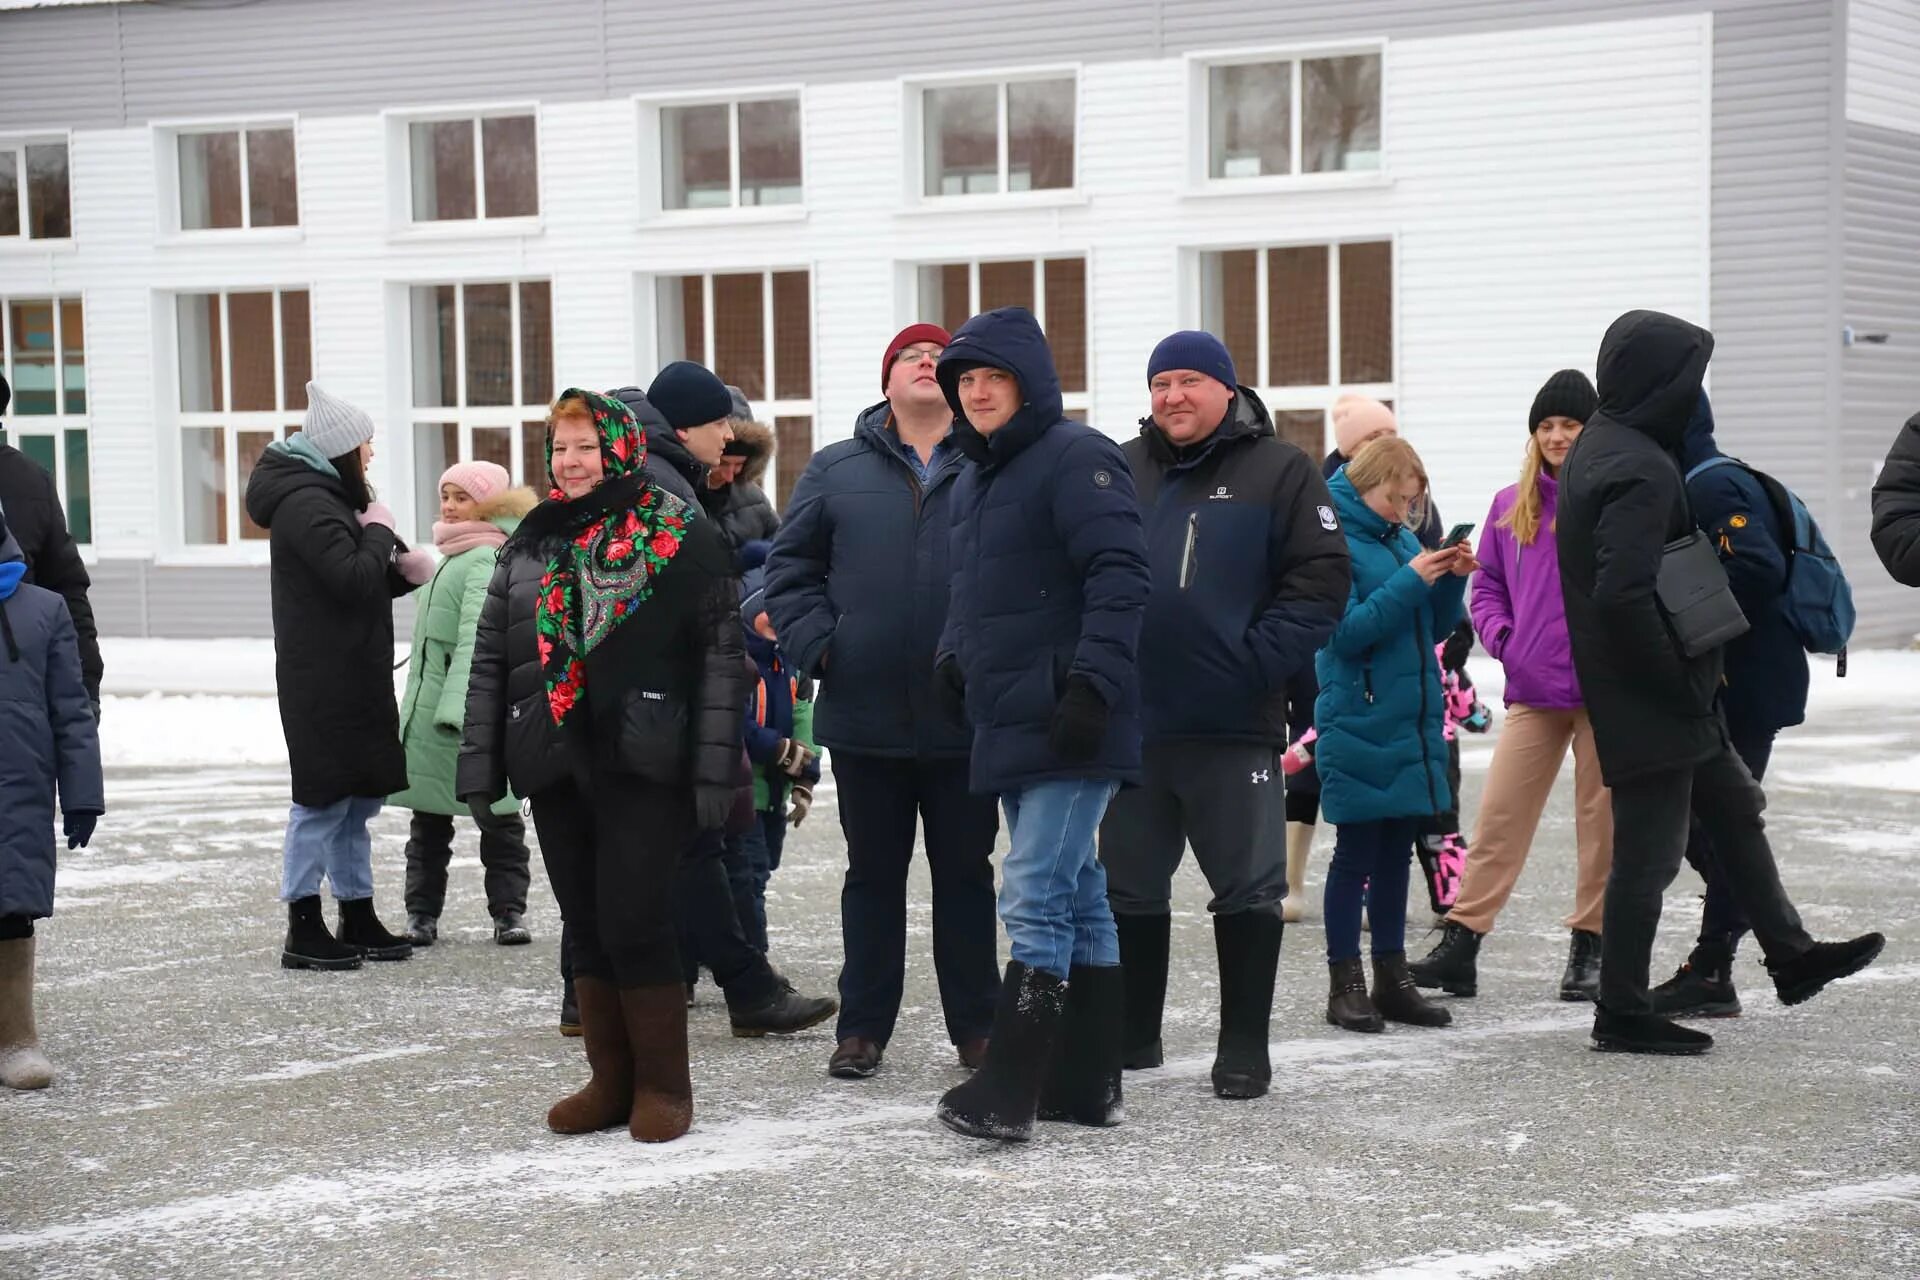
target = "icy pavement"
x: 217, y: 1116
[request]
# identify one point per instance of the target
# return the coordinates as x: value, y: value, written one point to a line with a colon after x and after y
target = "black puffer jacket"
x: 743, y: 508
x: 1622, y: 499
x: 1896, y: 507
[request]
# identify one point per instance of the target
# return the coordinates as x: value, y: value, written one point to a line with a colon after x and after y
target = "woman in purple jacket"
x: 1518, y: 613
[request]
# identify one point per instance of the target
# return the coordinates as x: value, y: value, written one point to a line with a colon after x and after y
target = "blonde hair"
x: 1384, y: 461
x: 1523, y: 517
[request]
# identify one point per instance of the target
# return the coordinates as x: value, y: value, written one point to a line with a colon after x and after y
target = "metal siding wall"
x: 1881, y: 384
x: 62, y: 68
x: 1883, y: 54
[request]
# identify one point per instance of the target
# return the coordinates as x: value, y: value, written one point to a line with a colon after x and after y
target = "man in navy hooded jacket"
x: 1250, y: 576
x: 1043, y: 627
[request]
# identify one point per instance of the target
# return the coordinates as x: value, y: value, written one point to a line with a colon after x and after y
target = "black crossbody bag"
x: 1696, y: 597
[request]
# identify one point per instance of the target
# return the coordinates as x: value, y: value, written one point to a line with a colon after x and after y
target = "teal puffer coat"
x: 434, y: 707
x: 1382, y: 750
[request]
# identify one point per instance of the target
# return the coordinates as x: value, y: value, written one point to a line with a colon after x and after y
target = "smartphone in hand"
x: 1457, y: 535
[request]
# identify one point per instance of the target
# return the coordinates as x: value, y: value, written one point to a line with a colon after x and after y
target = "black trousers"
x: 611, y: 853
x: 503, y: 852
x: 880, y: 799
x: 711, y: 931
x: 1218, y: 797
x: 1721, y: 921
x: 1650, y: 829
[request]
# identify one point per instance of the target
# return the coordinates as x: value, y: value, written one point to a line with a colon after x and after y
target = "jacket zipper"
x: 1424, y: 652
x: 1186, y: 555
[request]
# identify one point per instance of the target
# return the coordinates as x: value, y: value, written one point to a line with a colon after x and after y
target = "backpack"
x: 1818, y: 601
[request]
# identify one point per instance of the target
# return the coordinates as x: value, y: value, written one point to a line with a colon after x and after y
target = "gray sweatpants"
x: 1220, y: 797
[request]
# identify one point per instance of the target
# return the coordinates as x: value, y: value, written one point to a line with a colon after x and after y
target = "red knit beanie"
x: 907, y: 337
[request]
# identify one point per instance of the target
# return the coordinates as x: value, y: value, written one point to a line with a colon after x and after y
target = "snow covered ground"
x: 217, y: 1116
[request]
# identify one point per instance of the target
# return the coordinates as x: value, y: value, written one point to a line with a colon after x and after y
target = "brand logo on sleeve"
x: 1102, y: 479
x: 1327, y: 519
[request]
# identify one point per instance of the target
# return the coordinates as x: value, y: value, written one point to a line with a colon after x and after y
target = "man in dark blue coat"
x: 857, y: 587
x: 1043, y: 627
x: 1250, y: 575
x: 1765, y: 689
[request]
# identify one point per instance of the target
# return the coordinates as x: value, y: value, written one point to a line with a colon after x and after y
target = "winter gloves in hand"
x: 376, y: 513
x: 1079, y: 722
x: 712, y: 807
x: 950, y: 687
x: 479, y: 809
x: 79, y: 828
x: 415, y: 566
x: 1456, y: 647
x: 795, y: 758
x: 802, y: 802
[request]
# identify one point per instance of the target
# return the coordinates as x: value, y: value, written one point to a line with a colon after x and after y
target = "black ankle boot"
x: 1144, y: 943
x: 1347, y: 1005
x: 1581, y: 980
x: 308, y: 944
x: 1083, y: 1082
x: 360, y: 927
x: 1248, y: 947
x: 1397, y: 997
x: 1645, y: 1033
x: 1801, y: 978
x: 1451, y: 965
x: 785, y: 1013
x: 1001, y: 1098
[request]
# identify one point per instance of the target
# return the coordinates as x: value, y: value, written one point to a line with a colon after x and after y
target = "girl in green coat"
x: 477, y: 512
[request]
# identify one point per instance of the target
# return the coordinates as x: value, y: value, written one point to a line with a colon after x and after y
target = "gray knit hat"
x: 335, y: 427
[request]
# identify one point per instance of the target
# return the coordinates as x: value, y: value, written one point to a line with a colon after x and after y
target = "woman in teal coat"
x: 477, y: 512
x: 1382, y: 750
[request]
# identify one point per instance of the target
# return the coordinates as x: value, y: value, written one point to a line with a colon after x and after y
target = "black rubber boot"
x: 1581, y: 980
x: 1144, y: 943
x: 1248, y: 947
x: 1801, y: 978
x: 1397, y: 997
x: 308, y: 944
x: 1451, y: 966
x: 1645, y: 1033
x: 1347, y: 1005
x: 1083, y: 1081
x: 1001, y: 1098
x: 361, y: 928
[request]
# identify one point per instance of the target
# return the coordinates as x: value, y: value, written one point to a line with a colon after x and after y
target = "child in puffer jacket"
x: 1443, y: 852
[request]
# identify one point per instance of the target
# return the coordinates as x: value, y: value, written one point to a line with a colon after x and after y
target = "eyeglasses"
x: 914, y: 355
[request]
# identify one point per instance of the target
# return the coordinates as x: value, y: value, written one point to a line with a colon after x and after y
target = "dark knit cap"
x: 1567, y: 394
x: 1193, y: 349
x: 689, y: 395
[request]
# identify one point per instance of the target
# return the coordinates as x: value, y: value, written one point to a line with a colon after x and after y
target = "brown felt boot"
x: 656, y: 1021
x: 22, y: 1065
x: 607, y: 1099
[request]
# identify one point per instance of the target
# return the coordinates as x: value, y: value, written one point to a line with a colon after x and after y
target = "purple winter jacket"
x: 1517, y: 609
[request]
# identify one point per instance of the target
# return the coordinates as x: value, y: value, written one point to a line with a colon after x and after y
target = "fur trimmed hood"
x: 514, y: 504
x: 754, y: 442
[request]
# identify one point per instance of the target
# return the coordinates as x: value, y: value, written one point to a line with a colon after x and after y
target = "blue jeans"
x: 1370, y: 861
x: 331, y: 841
x: 1053, y: 890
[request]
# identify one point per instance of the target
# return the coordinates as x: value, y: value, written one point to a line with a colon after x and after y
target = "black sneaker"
x: 1801, y: 978
x: 1694, y: 993
x: 508, y: 931
x: 1645, y: 1033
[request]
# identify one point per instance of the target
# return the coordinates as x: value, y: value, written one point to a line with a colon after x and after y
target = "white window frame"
x: 236, y: 549
x: 653, y: 192
x: 1070, y: 401
x: 19, y: 426
x: 1294, y: 399
x: 467, y: 417
x: 914, y: 142
x: 17, y: 144
x: 400, y: 174
x: 1200, y: 179
x: 167, y: 135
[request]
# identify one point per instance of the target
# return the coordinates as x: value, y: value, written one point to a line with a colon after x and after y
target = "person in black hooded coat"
x: 1658, y: 730
x: 1896, y: 507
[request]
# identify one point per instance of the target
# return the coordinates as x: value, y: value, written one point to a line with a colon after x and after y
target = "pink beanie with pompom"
x: 483, y: 481
x: 1358, y: 418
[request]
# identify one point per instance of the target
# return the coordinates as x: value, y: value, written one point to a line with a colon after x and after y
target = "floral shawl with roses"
x: 617, y: 539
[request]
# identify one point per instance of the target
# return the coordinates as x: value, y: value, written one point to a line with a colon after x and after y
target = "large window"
x: 34, y: 201
x: 44, y: 355
x: 1009, y: 136
x: 482, y: 382
x: 1054, y: 289
x: 1284, y: 117
x: 244, y: 362
x: 725, y: 155
x: 1305, y: 324
x: 474, y: 168
x: 754, y: 329
x: 237, y: 178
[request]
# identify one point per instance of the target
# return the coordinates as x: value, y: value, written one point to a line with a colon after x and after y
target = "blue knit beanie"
x: 1196, y: 350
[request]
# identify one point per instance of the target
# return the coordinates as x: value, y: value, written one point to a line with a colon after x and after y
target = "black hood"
x: 1247, y: 418
x: 1651, y: 366
x: 1008, y: 338
x: 277, y: 476
x: 1698, y: 444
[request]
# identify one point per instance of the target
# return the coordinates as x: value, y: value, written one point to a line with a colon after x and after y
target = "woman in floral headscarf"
x: 607, y: 682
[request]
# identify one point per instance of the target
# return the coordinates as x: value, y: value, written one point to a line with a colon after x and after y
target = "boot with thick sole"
x: 656, y: 1023
x: 1083, y: 1081
x: 1144, y: 944
x: 361, y: 928
x: 1581, y: 978
x: 1397, y: 996
x: 1299, y: 848
x: 309, y: 945
x: 606, y: 1100
x: 1452, y: 964
x: 1645, y: 1033
x: 1248, y: 947
x: 22, y: 1064
x: 999, y: 1100
x: 1347, y: 1005
x: 1801, y: 978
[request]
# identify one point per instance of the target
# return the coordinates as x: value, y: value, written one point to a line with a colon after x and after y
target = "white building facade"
x: 1438, y: 210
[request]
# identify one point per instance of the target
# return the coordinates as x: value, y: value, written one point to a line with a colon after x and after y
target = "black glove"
x: 79, y: 828
x: 1079, y: 722
x: 479, y: 808
x: 1453, y: 654
x: 950, y: 687
x: 712, y: 807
